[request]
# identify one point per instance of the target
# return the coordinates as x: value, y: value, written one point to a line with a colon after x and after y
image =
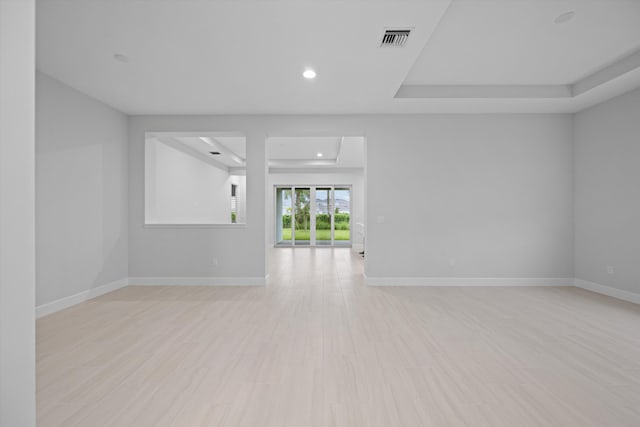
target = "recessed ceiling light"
x: 309, y: 74
x: 565, y: 17
x: 319, y: 155
x: 121, y: 58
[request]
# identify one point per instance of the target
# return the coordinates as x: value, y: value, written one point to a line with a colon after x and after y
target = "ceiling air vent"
x: 395, y: 38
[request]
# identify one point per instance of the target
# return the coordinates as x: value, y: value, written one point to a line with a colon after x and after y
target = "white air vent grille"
x: 395, y: 38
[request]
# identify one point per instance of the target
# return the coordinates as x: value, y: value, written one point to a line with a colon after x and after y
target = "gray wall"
x: 81, y: 190
x: 17, y: 211
x: 607, y: 193
x: 490, y: 194
x: 189, y: 251
x: 493, y: 192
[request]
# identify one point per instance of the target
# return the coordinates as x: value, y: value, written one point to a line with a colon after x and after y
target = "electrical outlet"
x: 215, y: 262
x: 452, y: 262
x: 610, y: 269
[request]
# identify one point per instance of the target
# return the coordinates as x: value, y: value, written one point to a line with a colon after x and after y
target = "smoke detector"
x: 396, y: 37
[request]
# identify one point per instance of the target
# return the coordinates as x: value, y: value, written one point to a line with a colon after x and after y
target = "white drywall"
x: 184, y: 189
x: 492, y: 193
x: 17, y: 213
x: 235, y: 251
x: 355, y: 179
x: 470, y: 196
x: 607, y: 196
x: 82, y: 193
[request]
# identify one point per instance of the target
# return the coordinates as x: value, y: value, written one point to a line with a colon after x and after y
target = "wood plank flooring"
x: 317, y: 347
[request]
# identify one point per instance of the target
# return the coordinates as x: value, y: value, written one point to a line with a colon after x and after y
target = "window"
x: 188, y: 175
x: 234, y: 204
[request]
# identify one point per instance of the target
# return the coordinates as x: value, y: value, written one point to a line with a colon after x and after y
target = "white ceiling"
x: 307, y: 148
x: 207, y: 145
x: 231, y: 148
x: 301, y: 152
x: 497, y: 42
x: 247, y: 56
x: 236, y: 144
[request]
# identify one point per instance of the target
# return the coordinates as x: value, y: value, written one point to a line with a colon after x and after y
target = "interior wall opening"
x: 317, y: 191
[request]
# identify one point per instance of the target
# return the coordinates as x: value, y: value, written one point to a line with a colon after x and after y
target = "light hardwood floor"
x: 319, y: 348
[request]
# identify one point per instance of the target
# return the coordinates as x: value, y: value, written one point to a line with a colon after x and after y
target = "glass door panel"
x: 323, y: 216
x: 283, y: 216
x: 302, y: 217
x: 313, y: 216
x: 342, y: 216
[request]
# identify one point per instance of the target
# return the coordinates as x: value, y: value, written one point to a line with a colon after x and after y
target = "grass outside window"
x: 320, y: 234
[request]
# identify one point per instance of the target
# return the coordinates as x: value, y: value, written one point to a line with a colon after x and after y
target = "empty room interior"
x: 319, y: 213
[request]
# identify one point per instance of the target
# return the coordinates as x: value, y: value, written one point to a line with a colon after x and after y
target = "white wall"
x: 607, y: 195
x: 82, y: 194
x: 17, y: 211
x: 492, y: 192
x: 183, y: 189
x: 355, y: 179
x: 183, y: 251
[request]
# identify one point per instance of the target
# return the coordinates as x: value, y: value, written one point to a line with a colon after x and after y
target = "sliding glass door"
x: 342, y: 216
x: 313, y: 215
x: 302, y: 216
x: 324, y: 219
x: 284, y: 197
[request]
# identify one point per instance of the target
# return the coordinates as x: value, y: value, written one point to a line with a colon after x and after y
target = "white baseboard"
x: 62, y: 303
x: 198, y: 281
x: 607, y: 290
x: 468, y: 281
x: 66, y: 302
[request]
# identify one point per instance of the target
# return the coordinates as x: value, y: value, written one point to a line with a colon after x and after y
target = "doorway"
x: 313, y: 215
